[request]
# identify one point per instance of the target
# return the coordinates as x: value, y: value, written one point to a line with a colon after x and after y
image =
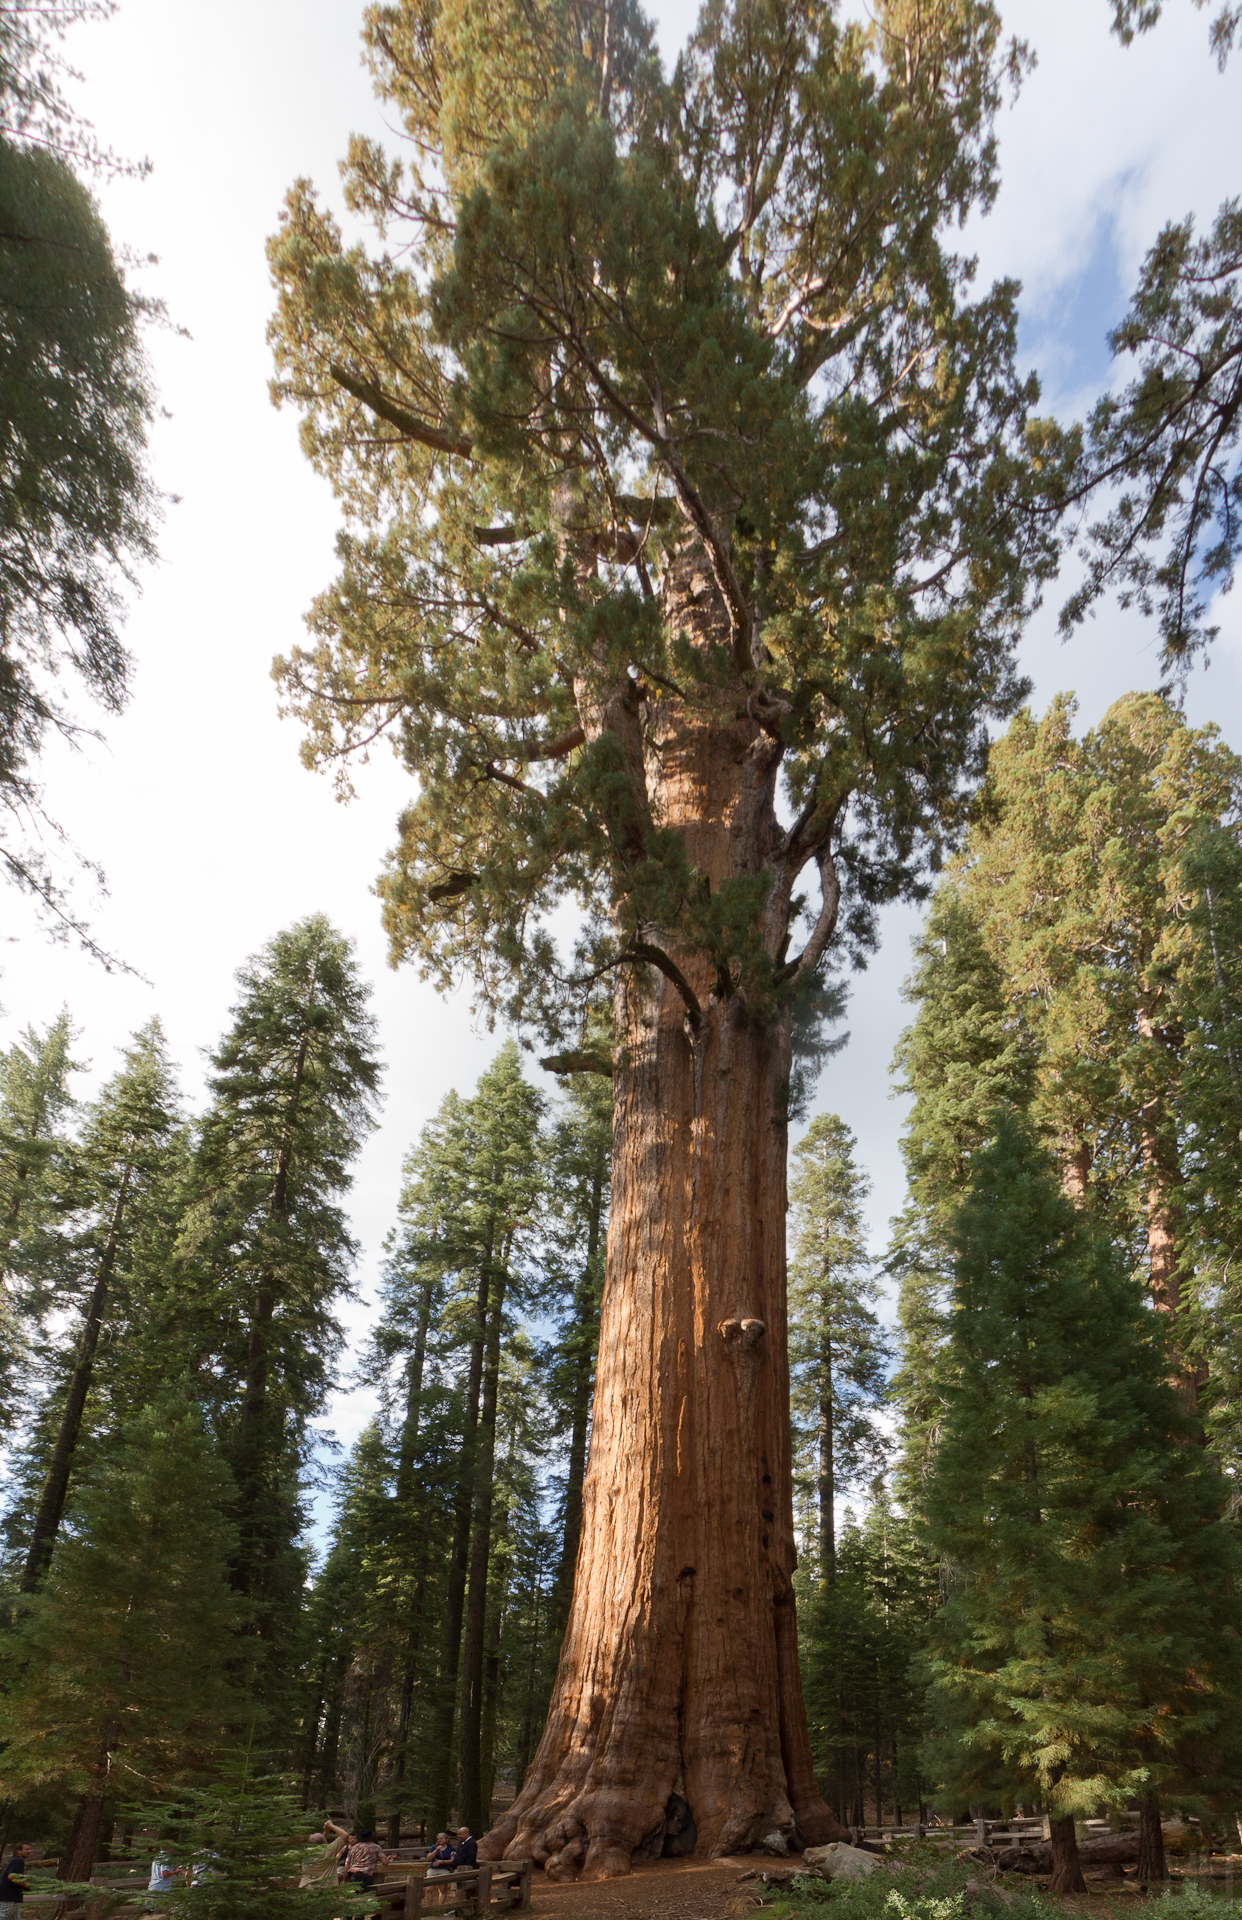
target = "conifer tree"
x: 863, y: 1640
x: 76, y: 502
x: 1075, y: 872
x: 34, y: 1106
x: 122, y: 1164
x: 239, y: 1835
x: 579, y: 1157
x: 1088, y: 1646
x: 674, y: 469
x: 968, y: 1051
x: 836, y: 1351
x: 266, y: 1249
x: 117, y: 1670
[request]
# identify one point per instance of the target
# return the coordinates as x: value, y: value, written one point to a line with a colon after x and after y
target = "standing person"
x: 467, y: 1850
x: 439, y: 1860
x: 164, y: 1877
x: 13, y: 1881
x: 319, y: 1866
x: 364, y: 1857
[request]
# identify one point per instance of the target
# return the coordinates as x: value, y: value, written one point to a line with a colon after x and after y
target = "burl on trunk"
x: 678, y: 1681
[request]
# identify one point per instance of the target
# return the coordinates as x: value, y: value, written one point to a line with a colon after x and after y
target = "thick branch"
x: 825, y: 926
x: 407, y: 424
x: 579, y: 1061
x: 656, y: 957
x: 449, y: 889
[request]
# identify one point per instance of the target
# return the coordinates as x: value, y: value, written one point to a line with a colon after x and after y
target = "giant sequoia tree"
x: 684, y: 476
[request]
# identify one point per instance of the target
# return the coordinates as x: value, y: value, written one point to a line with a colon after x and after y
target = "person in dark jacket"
x: 13, y: 1881
x: 466, y: 1852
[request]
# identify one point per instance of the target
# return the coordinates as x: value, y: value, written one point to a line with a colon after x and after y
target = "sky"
x: 212, y: 833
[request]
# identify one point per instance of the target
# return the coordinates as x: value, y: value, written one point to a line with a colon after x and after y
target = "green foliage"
x: 1167, y: 446
x: 116, y: 1671
x: 920, y: 1883
x: 265, y: 1248
x: 238, y: 1836
x: 76, y: 505
x: 862, y: 1637
x: 644, y: 425
x: 35, y: 1104
x: 836, y: 1351
x: 1087, y: 1649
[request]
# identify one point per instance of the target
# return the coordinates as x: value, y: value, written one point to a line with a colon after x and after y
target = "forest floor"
x: 716, y: 1890
x: 658, y: 1890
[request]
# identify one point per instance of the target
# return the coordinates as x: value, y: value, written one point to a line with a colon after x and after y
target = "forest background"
x: 211, y: 846
x: 198, y: 798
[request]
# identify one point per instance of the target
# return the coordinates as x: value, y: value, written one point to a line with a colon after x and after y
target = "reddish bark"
x: 1151, y: 1869
x: 1066, y: 1868
x: 679, y: 1678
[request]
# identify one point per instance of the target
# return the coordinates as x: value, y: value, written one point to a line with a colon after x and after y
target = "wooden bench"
x: 402, y: 1895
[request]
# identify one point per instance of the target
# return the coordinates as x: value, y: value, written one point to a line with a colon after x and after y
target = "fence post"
x: 414, y: 1896
x: 483, y: 1888
x: 524, y: 1886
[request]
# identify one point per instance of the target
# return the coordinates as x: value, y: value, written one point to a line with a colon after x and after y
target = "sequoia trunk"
x: 677, y: 1708
x: 679, y: 1669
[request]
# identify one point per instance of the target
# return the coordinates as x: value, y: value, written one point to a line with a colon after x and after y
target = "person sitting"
x: 364, y: 1859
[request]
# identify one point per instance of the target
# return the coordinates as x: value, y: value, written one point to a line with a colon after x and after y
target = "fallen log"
x: 1100, y: 1850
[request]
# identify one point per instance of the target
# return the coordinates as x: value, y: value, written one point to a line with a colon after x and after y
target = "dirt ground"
x: 714, y: 1890
x: 658, y: 1890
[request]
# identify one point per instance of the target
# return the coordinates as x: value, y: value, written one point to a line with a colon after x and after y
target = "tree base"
x: 1066, y: 1867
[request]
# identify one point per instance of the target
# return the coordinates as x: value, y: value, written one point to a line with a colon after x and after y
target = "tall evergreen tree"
x: 675, y: 469
x: 76, y: 501
x: 35, y: 1104
x: 266, y: 1248
x: 1088, y: 1647
x: 579, y: 1160
x: 836, y: 1351
x: 117, y: 1670
x: 863, y: 1638
x: 122, y: 1166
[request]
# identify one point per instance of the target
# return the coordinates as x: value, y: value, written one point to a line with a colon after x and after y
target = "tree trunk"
x: 81, y: 1853
x: 679, y: 1668
x: 474, y: 1810
x: 1163, y: 1175
x: 455, y: 1599
x: 1066, y: 1869
x: 827, y: 1470
x: 259, y: 1434
x: 1150, y: 1841
x: 586, y: 1337
x: 56, y: 1485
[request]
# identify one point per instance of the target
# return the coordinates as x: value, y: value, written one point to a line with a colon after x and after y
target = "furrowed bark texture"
x: 678, y: 1680
x: 1066, y: 1867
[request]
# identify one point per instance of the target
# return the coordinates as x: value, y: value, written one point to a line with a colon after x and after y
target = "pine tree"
x: 968, y: 1051
x: 239, y: 1836
x: 863, y: 1640
x: 76, y: 502
x: 579, y: 1157
x: 266, y: 1249
x: 122, y: 1166
x: 836, y: 1351
x: 117, y: 1671
x: 1087, y: 1649
x: 1075, y: 871
x: 35, y: 1104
